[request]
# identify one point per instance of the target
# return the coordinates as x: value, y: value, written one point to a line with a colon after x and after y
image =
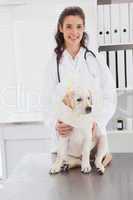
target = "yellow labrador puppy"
x: 74, y: 150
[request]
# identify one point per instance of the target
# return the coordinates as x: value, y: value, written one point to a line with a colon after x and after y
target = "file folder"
x: 107, y: 31
x: 112, y: 64
x: 131, y: 21
x: 115, y: 22
x: 121, y: 69
x: 129, y: 68
x: 124, y: 23
x: 100, y: 22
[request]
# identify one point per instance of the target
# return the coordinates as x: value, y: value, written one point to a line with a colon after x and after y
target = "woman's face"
x: 72, y: 30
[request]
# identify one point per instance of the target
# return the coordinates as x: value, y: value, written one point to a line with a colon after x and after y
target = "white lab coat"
x: 93, y: 68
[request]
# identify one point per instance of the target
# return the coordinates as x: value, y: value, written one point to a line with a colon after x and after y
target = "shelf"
x: 124, y: 89
x: 101, y: 2
x: 120, y: 132
x: 115, y: 47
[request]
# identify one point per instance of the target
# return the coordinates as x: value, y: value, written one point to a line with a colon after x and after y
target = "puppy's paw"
x: 55, y: 169
x: 85, y: 167
x: 61, y: 166
x: 65, y: 167
x: 100, y: 168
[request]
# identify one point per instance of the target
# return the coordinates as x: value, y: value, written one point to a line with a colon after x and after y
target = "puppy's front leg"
x: 85, y: 165
x: 102, y: 149
x: 61, y: 163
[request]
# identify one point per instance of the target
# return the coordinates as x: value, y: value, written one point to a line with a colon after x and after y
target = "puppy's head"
x: 80, y: 101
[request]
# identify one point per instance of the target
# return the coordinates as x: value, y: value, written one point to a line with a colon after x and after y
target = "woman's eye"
x: 79, y: 99
x: 79, y: 27
x: 68, y: 26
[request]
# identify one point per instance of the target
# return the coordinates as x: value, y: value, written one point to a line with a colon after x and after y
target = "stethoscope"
x: 85, y: 57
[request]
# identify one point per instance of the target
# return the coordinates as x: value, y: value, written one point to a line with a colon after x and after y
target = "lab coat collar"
x: 68, y: 55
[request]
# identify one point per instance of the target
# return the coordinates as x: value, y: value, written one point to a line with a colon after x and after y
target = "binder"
x: 121, y: 69
x: 131, y: 21
x: 124, y: 23
x: 107, y: 32
x: 100, y: 25
x: 115, y: 21
x: 112, y: 65
x: 129, y: 68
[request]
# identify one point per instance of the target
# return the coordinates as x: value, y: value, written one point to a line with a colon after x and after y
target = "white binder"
x: 115, y: 22
x: 107, y: 31
x: 124, y: 23
x: 112, y: 64
x: 121, y: 69
x: 129, y: 59
x: 100, y: 25
x: 131, y: 21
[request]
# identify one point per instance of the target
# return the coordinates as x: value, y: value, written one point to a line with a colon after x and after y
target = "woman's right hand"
x: 63, y: 129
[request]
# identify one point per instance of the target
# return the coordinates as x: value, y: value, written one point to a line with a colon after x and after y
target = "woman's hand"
x: 63, y: 129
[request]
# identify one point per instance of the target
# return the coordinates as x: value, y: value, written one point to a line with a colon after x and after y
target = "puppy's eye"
x: 88, y: 98
x: 79, y: 99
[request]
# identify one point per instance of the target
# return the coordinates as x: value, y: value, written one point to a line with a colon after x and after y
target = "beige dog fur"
x: 68, y: 101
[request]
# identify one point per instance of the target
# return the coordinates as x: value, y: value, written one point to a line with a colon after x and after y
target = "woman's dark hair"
x: 74, y: 11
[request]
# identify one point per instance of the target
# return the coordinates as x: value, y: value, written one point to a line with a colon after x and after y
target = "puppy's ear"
x: 68, y: 99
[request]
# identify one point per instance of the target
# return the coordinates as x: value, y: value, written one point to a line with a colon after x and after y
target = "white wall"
x: 27, y: 38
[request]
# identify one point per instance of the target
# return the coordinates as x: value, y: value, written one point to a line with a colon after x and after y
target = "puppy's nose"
x: 88, y: 109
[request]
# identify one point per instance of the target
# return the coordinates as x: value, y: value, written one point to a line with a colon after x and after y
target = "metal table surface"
x: 116, y: 183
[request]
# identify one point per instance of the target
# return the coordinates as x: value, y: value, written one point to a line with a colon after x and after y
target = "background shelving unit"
x: 116, y: 47
x: 101, y: 2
